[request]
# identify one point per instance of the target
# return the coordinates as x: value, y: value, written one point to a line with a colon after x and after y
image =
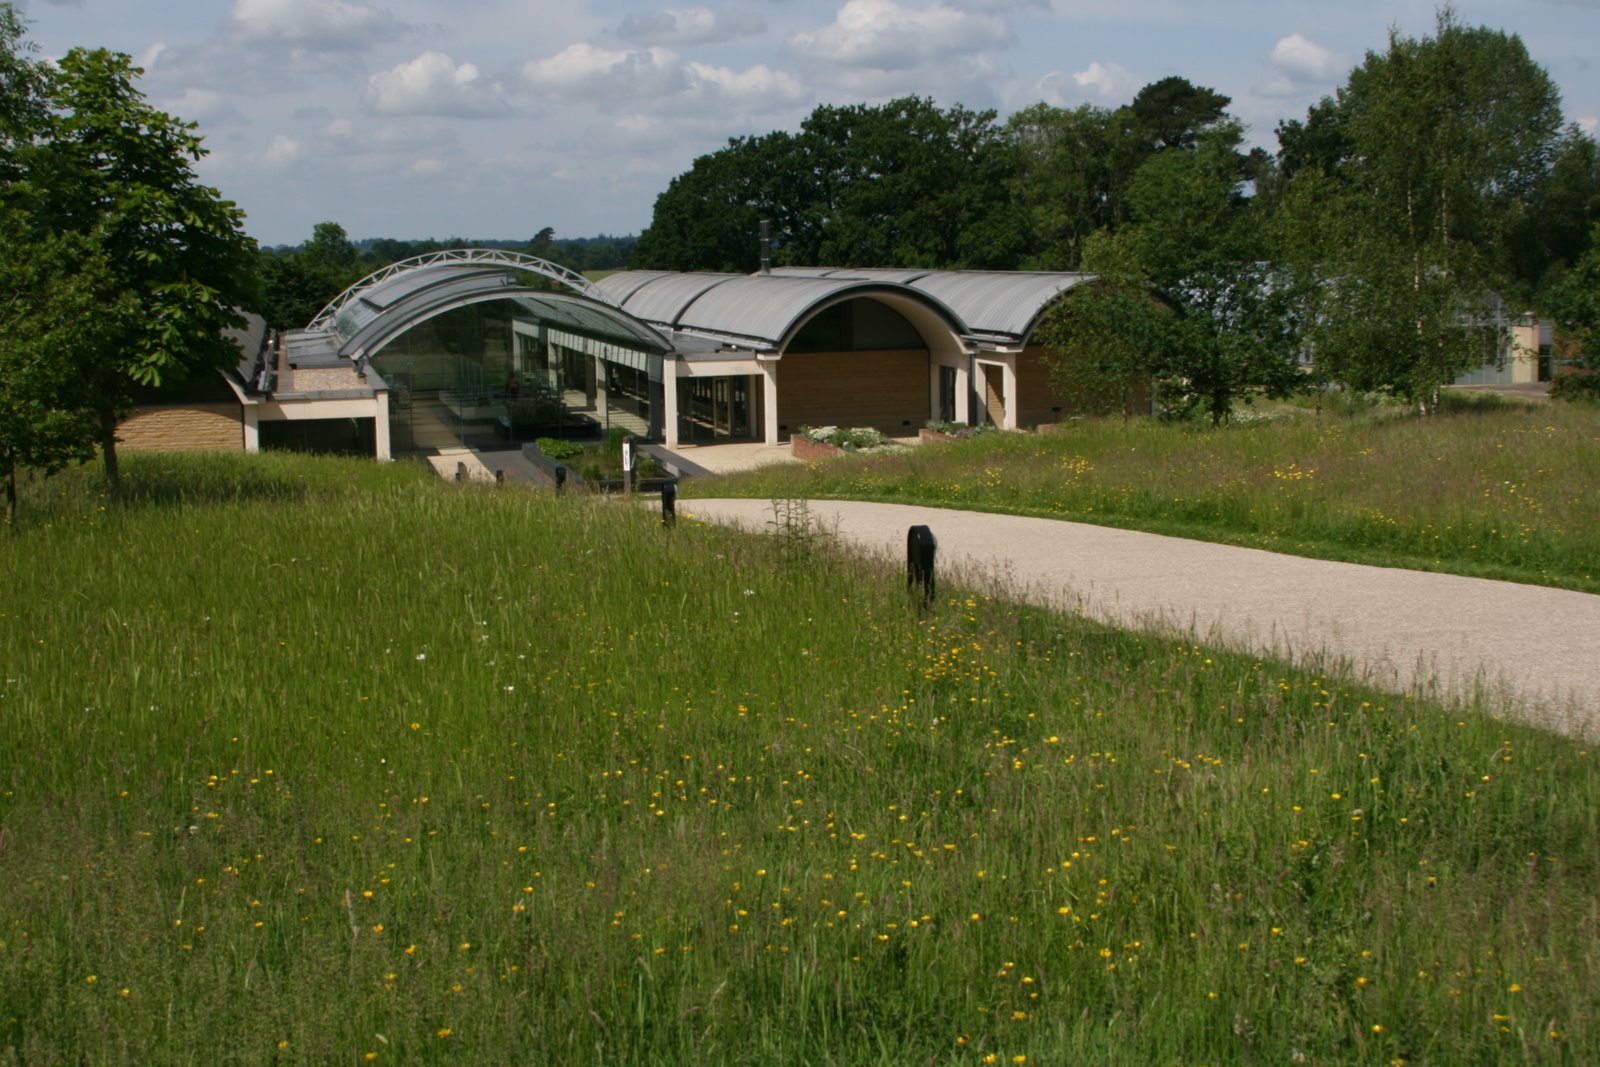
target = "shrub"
x: 959, y: 429
x: 854, y: 439
x: 556, y: 448
x: 1584, y: 388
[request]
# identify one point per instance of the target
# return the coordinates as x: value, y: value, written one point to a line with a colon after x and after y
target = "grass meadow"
x: 1496, y: 489
x: 317, y: 761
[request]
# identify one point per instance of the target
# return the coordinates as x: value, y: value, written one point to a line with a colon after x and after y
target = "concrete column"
x: 1008, y: 378
x: 380, y: 424
x: 964, y: 392
x: 669, y: 402
x: 252, y: 428
x: 599, y: 396
x: 769, y: 401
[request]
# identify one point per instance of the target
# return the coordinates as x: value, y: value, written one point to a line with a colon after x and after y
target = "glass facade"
x: 489, y: 375
x: 718, y: 409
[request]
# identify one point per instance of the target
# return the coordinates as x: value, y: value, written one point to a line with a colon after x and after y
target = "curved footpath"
x: 1530, y: 649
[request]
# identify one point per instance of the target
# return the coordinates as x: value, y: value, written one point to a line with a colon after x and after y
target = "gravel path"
x: 1531, y: 650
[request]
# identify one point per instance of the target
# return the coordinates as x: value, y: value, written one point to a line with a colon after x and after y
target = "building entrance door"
x: 715, y: 409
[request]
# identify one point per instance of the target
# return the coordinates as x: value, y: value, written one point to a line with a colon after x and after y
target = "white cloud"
x: 1589, y: 124
x: 758, y: 87
x: 147, y: 59
x: 1303, y: 69
x: 283, y: 152
x: 204, y: 106
x: 1304, y: 60
x: 432, y: 84
x: 657, y: 80
x: 426, y: 168
x: 316, y: 25
x: 1101, y: 84
x: 884, y: 35
x: 587, y: 70
x: 688, y: 26
x: 1107, y: 80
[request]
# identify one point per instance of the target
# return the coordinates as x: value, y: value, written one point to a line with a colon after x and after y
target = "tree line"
x: 1399, y: 224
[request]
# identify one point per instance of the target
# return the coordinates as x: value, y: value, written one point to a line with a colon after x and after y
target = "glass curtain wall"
x: 489, y: 376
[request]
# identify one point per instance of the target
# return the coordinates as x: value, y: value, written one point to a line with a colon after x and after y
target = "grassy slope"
x: 1502, y: 492
x: 308, y: 761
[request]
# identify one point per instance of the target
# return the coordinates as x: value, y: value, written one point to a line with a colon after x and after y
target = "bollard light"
x: 669, y: 503
x: 499, y: 477
x: 561, y: 478
x: 921, y: 548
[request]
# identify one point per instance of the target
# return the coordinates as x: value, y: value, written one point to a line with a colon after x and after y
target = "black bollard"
x: 561, y: 478
x: 921, y: 548
x: 669, y: 503
x: 461, y: 472
x: 499, y: 477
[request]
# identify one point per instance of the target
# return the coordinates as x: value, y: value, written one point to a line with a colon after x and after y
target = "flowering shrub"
x: 854, y: 439
x: 959, y: 429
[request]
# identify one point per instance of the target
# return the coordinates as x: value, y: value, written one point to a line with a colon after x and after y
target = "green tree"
x: 709, y: 216
x: 1407, y: 188
x: 1195, y: 239
x: 55, y: 297
x: 1072, y: 169
x: 1575, y: 301
x: 904, y: 183
x: 1062, y: 189
x: 23, y: 106
x: 119, y: 173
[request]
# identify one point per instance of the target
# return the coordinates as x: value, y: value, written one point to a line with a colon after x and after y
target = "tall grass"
x: 1493, y: 490
x: 394, y: 770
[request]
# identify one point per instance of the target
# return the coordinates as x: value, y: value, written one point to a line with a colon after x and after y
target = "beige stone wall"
x: 885, y: 390
x: 184, y: 428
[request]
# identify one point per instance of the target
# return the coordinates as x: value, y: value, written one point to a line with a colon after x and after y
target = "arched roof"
x: 379, y: 308
x: 415, y: 272
x: 999, y: 306
x: 759, y: 310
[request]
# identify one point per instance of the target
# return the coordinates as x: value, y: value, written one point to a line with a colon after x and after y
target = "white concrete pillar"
x: 1008, y: 379
x: 669, y: 402
x: 380, y: 423
x: 769, y: 401
x: 252, y: 428
x: 601, y: 399
x: 964, y: 392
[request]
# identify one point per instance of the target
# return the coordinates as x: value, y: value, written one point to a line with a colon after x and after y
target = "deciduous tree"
x: 116, y: 171
x: 1407, y: 187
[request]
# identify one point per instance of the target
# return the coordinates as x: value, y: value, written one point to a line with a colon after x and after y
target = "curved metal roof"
x: 767, y: 308
x: 663, y: 296
x: 625, y: 283
x: 1002, y: 304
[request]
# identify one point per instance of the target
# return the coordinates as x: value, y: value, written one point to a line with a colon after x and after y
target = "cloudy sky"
x: 494, y: 118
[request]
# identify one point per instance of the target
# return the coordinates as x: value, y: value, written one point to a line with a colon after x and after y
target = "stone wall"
x: 184, y: 428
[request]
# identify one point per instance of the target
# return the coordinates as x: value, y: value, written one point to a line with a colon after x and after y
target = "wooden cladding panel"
x: 885, y: 390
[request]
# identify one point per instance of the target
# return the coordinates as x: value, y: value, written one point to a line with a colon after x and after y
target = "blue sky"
x: 494, y: 118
